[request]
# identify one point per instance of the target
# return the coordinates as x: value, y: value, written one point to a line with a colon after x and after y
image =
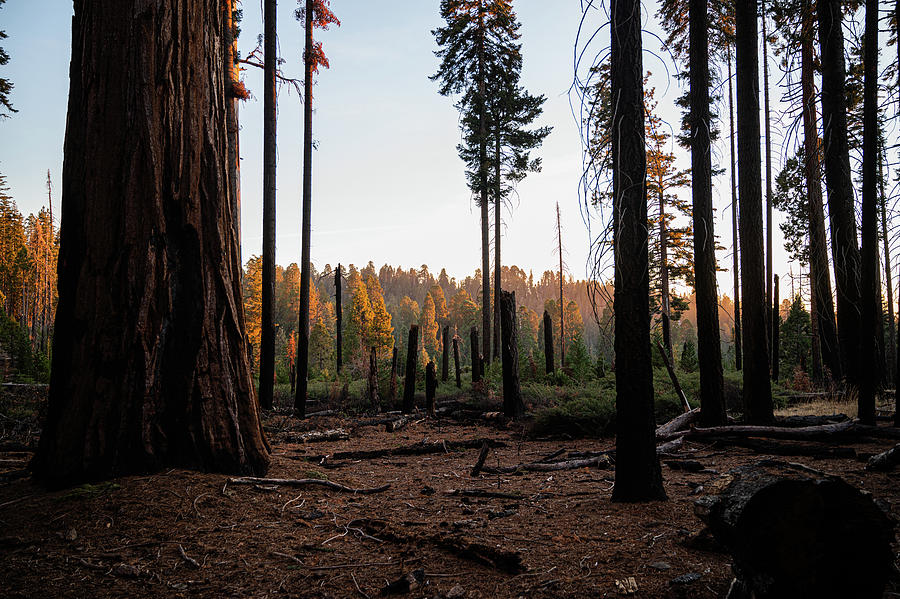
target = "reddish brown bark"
x: 150, y: 367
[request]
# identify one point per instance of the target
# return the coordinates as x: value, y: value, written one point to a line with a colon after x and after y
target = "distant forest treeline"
x: 396, y: 297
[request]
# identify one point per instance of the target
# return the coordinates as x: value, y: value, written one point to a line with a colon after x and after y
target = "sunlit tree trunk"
x: 150, y: 367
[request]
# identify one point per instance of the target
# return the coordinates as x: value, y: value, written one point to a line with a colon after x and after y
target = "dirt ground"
x: 546, y: 534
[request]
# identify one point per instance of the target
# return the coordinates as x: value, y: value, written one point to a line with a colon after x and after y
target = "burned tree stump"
x: 445, y: 356
x: 548, y: 343
x: 430, y: 388
x: 476, y: 357
x: 513, y: 407
x: 456, y: 360
x: 796, y: 532
x: 373, y: 379
x: 409, y: 382
x: 392, y: 392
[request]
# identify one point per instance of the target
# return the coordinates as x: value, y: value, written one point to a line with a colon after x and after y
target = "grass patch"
x: 89, y: 491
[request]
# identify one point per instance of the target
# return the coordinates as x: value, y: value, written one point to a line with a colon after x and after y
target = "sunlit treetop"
x: 322, y: 18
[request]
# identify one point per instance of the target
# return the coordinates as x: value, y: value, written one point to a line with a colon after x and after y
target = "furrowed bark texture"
x: 476, y: 359
x: 838, y: 181
x: 818, y: 244
x: 150, y: 366
x: 409, y: 381
x: 757, y: 386
x: 638, y: 475
x: 513, y: 407
x: 709, y: 349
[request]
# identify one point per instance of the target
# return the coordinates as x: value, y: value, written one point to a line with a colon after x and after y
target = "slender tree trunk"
x: 456, y: 360
x: 548, y: 343
x: 638, y: 474
x: 497, y: 234
x: 149, y: 360
x: 757, y: 391
x: 409, y: 381
x: 339, y: 319
x: 664, y: 268
x: 735, y: 253
x: 776, y: 330
x: 476, y: 359
x: 888, y: 272
x: 562, y: 278
x: 393, y: 387
x: 513, y: 407
x: 844, y: 246
x: 820, y: 286
x: 768, y: 117
x: 872, y: 374
x: 712, y: 401
x: 445, y: 355
x: 373, y: 379
x: 306, y: 230
x: 483, y: 183
x: 270, y: 109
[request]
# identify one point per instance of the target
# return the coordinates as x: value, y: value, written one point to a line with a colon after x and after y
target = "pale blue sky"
x: 388, y: 185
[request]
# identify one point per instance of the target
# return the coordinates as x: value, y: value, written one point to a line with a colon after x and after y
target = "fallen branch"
x: 679, y: 423
x: 601, y: 461
x: 187, y: 558
x: 394, y: 425
x: 415, y: 449
x: 764, y: 446
x: 678, y: 390
x: 671, y: 446
x: 825, y: 432
x: 337, y: 434
x: 483, y: 494
x: 301, y: 482
x: 884, y: 462
x: 479, y: 464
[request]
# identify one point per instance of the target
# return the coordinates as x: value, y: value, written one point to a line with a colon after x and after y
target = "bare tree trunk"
x: 757, y: 391
x: 768, y: 118
x: 149, y: 360
x: 456, y: 360
x: 738, y: 349
x: 664, y: 268
x: 497, y: 234
x: 871, y: 373
x: 513, y: 407
x: 303, y: 332
x: 409, y: 382
x: 232, y: 109
x: 270, y: 110
x: 890, y: 356
x: 373, y: 380
x: 776, y: 330
x: 430, y: 388
x: 712, y: 401
x: 339, y: 319
x: 638, y: 474
x: 548, y: 343
x: 445, y: 355
x: 476, y: 358
x: 562, y: 278
x: 483, y: 182
x: 393, y: 388
x: 820, y: 286
x: 844, y: 246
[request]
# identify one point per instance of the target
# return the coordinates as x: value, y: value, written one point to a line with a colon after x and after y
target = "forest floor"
x: 180, y: 533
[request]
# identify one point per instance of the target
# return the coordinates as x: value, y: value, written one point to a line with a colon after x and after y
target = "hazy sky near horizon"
x: 388, y: 184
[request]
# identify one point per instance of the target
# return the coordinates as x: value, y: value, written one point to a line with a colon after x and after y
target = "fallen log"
x: 763, y: 446
x: 674, y: 377
x: 304, y: 482
x: 337, y: 434
x: 395, y: 424
x: 885, y: 461
x: 483, y: 494
x: 679, y: 423
x: 670, y: 447
x: 798, y: 533
x: 415, y: 449
x: 824, y: 432
x: 600, y: 461
x: 479, y: 464
x: 801, y: 421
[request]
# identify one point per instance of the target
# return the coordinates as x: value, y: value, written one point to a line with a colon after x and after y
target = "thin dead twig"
x: 301, y: 482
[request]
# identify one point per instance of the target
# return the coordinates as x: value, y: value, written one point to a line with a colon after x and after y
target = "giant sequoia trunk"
x: 267, y: 325
x: 303, y: 328
x: 844, y: 246
x: 823, y: 316
x: 638, y: 475
x: 757, y: 386
x: 871, y: 373
x: 150, y: 367
x: 712, y: 399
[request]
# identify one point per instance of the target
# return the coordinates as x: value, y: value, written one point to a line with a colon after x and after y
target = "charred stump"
x: 548, y: 343
x: 373, y: 379
x: 476, y: 357
x: 796, y: 532
x: 430, y: 388
x: 409, y: 382
x: 456, y: 360
x: 445, y: 357
x: 392, y: 392
x: 513, y: 407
